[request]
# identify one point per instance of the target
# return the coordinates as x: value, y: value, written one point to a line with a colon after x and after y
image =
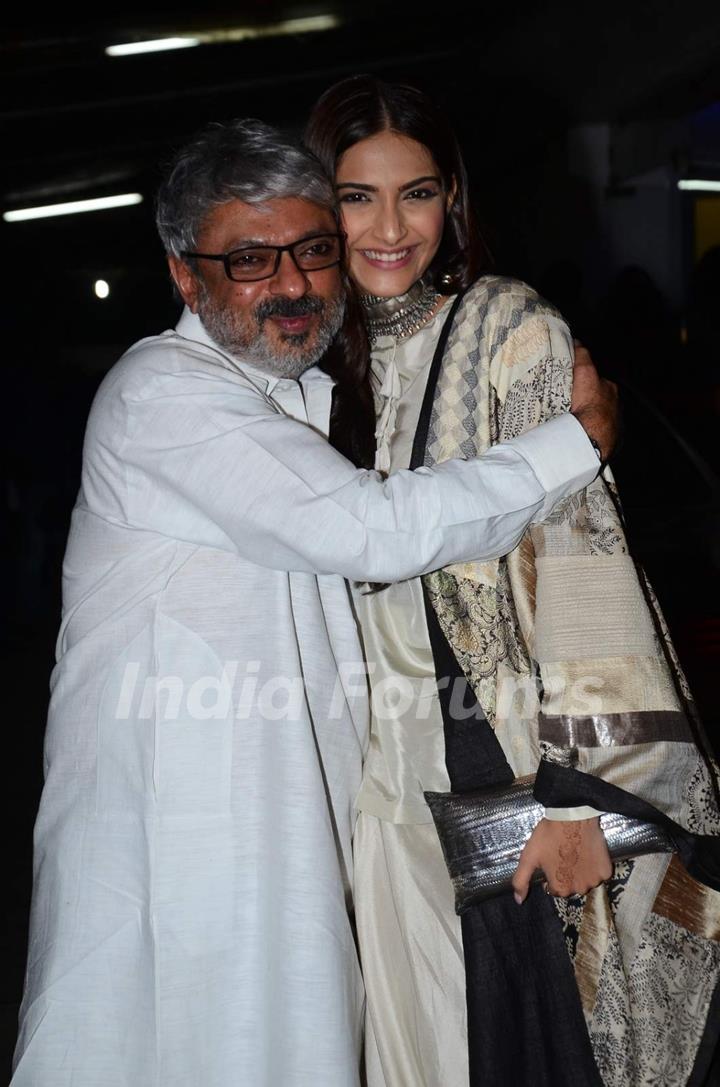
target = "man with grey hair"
x: 191, y: 922
x: 256, y: 172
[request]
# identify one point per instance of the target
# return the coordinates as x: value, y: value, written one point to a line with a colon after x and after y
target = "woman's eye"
x: 421, y: 194
x: 353, y: 198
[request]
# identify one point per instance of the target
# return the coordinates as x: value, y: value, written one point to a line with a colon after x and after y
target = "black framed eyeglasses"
x: 254, y: 262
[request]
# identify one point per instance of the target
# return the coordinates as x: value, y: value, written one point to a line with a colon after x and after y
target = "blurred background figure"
x: 639, y: 333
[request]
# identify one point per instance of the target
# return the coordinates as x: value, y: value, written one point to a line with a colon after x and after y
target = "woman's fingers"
x: 527, y: 866
x: 571, y: 854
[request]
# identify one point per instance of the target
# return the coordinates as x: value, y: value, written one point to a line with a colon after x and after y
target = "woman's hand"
x: 572, y: 855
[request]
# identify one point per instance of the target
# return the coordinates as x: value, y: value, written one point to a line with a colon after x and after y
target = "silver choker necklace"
x: 399, y: 316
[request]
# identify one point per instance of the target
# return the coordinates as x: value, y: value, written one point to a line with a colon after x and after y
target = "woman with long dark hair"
x: 482, y: 672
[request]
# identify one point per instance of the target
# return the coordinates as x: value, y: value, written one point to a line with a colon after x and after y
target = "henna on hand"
x: 569, y: 854
x: 572, y: 855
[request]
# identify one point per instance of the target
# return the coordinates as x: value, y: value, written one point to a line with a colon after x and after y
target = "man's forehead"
x: 275, y: 221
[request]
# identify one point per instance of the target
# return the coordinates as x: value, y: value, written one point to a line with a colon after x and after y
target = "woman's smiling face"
x: 393, y: 209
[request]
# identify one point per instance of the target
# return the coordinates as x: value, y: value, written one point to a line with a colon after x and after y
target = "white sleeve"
x: 209, y: 462
x: 571, y: 815
x: 548, y: 448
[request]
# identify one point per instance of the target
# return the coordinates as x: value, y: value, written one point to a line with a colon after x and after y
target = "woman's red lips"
x: 389, y: 259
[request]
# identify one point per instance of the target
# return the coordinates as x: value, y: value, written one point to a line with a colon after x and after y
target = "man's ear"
x: 185, y: 280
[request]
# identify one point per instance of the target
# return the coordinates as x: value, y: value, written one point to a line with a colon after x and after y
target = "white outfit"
x: 409, y: 935
x: 190, y: 919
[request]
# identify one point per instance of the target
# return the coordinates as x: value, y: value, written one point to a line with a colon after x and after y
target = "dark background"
x: 576, y: 128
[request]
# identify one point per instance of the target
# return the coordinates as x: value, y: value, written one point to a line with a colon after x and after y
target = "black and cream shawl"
x: 563, y: 646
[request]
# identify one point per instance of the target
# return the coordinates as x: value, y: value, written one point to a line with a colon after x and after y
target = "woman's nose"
x: 390, y: 226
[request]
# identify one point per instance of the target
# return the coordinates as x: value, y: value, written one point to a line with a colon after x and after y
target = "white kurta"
x: 192, y: 851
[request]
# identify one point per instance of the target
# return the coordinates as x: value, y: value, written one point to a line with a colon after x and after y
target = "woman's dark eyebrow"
x: 419, y: 181
x: 373, y: 188
x: 355, y: 185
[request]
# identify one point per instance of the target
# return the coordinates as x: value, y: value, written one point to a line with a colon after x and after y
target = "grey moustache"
x: 288, y: 307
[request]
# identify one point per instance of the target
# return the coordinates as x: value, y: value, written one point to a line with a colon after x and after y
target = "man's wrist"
x: 597, y: 448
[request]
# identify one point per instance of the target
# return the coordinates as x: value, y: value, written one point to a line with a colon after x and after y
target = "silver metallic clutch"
x: 483, y: 833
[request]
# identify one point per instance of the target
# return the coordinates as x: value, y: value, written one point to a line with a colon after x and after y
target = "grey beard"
x: 242, y: 334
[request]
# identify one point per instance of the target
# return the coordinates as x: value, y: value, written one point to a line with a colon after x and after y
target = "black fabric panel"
x: 473, y: 755
x: 417, y: 457
x: 525, y: 1019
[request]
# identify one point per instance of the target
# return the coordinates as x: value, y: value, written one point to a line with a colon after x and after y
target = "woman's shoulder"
x: 507, y: 330
x: 505, y: 298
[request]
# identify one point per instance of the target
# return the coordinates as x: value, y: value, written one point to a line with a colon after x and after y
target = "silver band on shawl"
x: 616, y: 729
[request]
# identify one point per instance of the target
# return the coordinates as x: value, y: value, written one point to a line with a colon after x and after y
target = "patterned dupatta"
x: 567, y: 655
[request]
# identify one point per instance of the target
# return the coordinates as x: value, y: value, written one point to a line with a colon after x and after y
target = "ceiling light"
x: 307, y: 25
x: 698, y: 185
x: 72, y: 207
x: 157, y: 45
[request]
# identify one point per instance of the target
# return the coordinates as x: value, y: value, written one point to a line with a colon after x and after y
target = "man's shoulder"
x: 164, y: 354
x: 170, y: 373
x: 170, y: 364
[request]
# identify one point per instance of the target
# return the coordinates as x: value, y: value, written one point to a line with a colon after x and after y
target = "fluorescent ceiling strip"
x: 699, y: 185
x: 73, y: 207
x: 157, y: 45
x: 308, y: 25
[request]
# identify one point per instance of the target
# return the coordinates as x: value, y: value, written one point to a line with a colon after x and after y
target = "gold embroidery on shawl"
x: 479, y: 623
x: 484, y: 573
x: 592, y: 945
x: 522, y: 571
x: 531, y: 338
x: 688, y: 903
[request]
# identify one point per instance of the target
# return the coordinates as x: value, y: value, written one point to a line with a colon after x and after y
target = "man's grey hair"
x: 241, y: 160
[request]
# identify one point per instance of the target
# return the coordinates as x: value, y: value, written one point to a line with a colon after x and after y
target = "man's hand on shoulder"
x: 594, y: 403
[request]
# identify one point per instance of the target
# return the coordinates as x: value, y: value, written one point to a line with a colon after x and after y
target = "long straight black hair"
x: 353, y: 110
x: 347, y: 360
